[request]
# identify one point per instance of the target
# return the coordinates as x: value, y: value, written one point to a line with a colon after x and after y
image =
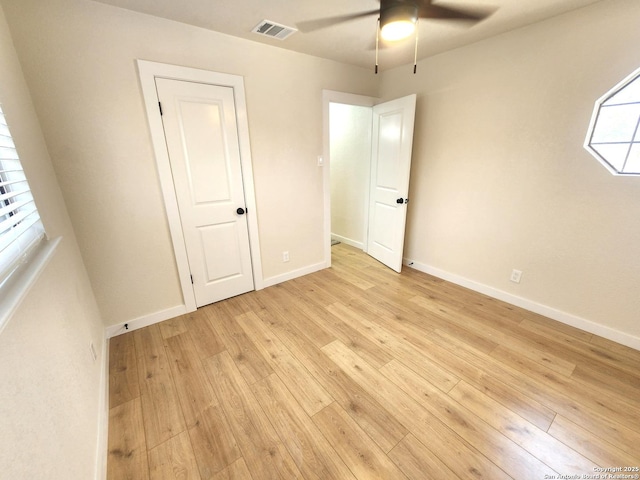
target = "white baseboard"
x: 550, y: 312
x: 178, y: 310
x: 103, y: 415
x: 347, y: 241
x: 146, y: 320
x: 268, y: 282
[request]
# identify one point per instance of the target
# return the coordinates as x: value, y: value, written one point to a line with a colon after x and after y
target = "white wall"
x: 49, y: 384
x: 79, y: 61
x: 350, y: 152
x: 499, y: 176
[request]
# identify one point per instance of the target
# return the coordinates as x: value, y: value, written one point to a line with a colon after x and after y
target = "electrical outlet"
x: 92, y: 349
x: 285, y: 256
x: 516, y: 275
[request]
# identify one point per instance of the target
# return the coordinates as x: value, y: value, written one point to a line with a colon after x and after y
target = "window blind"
x: 20, y: 225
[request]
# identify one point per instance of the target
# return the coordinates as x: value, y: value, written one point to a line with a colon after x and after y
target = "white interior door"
x: 392, y: 142
x: 201, y: 134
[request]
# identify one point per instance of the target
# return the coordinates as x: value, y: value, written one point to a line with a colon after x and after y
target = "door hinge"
x: 191, y: 279
x: 160, y: 107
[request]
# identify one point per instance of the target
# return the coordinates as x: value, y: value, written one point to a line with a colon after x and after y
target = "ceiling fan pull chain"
x: 377, y: 40
x: 415, y: 58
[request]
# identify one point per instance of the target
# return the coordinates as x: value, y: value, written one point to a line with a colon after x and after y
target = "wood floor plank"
x: 356, y: 259
x: 364, y: 459
x: 127, y: 458
x: 261, y: 448
x: 389, y: 312
x: 347, y: 274
x: 417, y: 462
x: 123, y: 370
x: 409, y: 320
x: 317, y: 313
x: 343, y: 373
x: 399, y: 307
x: 257, y: 303
x: 236, y: 471
x: 375, y: 420
x: 314, y: 306
x: 537, y: 442
x: 203, y: 337
x: 426, y: 343
x: 173, y: 326
x: 386, y: 308
x: 627, y: 387
x: 591, y: 446
x: 303, y: 386
x: 449, y: 300
x: 368, y: 348
x: 173, y: 460
x: 532, y: 319
x: 315, y: 316
x: 312, y: 289
x: 313, y: 455
x: 245, y: 354
x: 632, y: 355
x: 561, y: 401
x: 493, y: 383
x: 342, y: 290
x: 513, y: 459
x: 192, y: 385
x: 288, y: 306
x: 450, y: 447
x: 215, y: 448
x: 590, y: 396
x: 403, y: 350
x: 568, y: 343
x: 161, y: 411
x: 237, y: 305
x: 555, y: 331
x: 608, y: 361
x: 505, y: 338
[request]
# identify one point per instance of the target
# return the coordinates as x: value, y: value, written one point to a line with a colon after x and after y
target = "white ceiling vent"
x: 274, y: 30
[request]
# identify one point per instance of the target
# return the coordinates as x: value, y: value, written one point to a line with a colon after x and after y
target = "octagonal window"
x: 614, y: 133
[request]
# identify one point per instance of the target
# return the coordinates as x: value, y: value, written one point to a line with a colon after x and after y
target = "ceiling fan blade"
x: 313, y: 25
x: 427, y: 10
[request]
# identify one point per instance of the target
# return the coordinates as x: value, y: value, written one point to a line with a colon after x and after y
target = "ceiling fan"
x: 398, y: 18
x: 394, y: 13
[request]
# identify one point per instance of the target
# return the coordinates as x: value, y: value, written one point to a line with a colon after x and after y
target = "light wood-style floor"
x: 357, y: 372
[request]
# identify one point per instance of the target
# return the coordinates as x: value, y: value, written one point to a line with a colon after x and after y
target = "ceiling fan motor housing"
x: 398, y: 11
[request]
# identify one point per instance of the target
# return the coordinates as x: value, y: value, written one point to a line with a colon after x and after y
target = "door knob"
x: 402, y: 200
x: 240, y: 211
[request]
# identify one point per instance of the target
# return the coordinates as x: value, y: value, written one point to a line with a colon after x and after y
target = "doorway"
x: 350, y: 156
x: 368, y: 146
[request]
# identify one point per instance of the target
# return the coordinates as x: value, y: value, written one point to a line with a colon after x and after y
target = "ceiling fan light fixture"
x: 397, y: 30
x: 398, y: 22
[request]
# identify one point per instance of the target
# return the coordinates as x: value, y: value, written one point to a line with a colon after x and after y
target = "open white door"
x: 202, y: 141
x: 389, y: 189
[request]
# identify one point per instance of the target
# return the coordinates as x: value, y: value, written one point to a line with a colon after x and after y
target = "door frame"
x: 148, y: 71
x: 328, y: 97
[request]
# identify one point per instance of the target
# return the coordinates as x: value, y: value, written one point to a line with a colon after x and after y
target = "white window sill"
x: 18, y: 285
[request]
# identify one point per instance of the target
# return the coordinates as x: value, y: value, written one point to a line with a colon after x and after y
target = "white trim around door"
x: 148, y: 72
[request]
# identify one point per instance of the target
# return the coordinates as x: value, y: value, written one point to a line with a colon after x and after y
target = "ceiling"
x: 352, y: 42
